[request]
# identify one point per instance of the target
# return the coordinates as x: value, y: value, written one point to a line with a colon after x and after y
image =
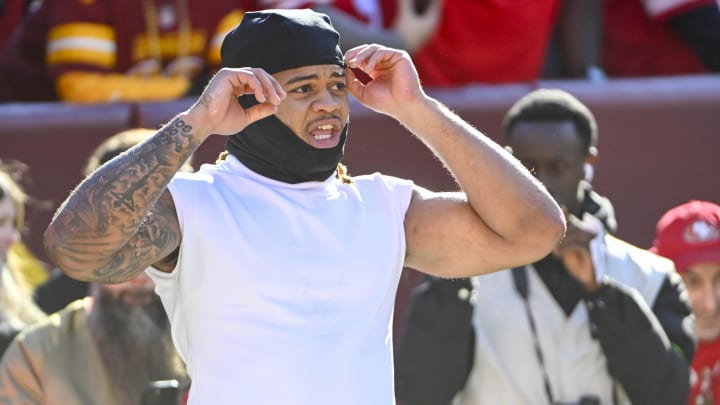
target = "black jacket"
x: 435, y: 352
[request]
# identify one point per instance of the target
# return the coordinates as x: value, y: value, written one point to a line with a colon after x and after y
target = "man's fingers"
x: 272, y: 91
x: 258, y: 82
x: 259, y: 111
x: 354, y: 85
x: 278, y: 90
x: 352, y: 53
x: 577, y: 222
x: 370, y: 57
x: 256, y: 85
x: 358, y: 57
x: 244, y: 81
x: 377, y: 58
x: 351, y: 79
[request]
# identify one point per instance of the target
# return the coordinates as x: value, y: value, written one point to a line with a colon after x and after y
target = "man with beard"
x: 277, y: 269
x: 103, y: 349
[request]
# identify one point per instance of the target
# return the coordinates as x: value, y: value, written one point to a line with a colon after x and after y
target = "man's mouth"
x: 324, y: 133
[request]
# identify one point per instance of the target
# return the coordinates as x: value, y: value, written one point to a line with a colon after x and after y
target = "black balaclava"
x: 277, y: 40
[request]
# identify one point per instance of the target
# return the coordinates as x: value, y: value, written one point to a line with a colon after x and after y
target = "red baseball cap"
x: 689, y: 234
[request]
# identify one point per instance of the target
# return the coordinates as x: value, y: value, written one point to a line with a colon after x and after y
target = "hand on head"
x: 394, y: 78
x: 218, y: 105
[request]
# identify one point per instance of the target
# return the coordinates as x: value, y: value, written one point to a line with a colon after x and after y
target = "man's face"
x: 702, y: 281
x: 553, y: 152
x: 317, y: 106
x: 8, y: 233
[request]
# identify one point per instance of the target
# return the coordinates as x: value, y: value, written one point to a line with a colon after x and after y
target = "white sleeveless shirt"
x: 284, y: 293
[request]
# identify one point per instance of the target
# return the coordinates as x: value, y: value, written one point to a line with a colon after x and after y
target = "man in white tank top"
x: 277, y: 270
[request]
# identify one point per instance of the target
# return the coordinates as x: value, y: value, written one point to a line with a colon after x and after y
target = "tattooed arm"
x: 121, y: 218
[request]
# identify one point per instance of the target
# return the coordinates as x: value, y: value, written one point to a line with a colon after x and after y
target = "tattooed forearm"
x: 106, y: 221
x: 155, y: 238
x: 144, y: 172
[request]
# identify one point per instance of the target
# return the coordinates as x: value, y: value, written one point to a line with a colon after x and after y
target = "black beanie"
x: 277, y: 40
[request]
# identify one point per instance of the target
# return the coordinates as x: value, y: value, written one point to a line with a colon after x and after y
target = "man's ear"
x: 592, y: 156
x: 589, y: 165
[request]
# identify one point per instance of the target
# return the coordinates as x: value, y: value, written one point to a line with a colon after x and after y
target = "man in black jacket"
x: 599, y: 321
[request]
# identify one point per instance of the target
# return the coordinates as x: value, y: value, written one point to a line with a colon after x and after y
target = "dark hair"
x: 553, y: 105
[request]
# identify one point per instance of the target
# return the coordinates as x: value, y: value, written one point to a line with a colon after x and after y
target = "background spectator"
x: 393, y: 23
x: 575, y: 325
x: 11, y: 13
x: 650, y: 38
x: 17, y: 309
x: 575, y: 47
x: 488, y: 42
x: 100, y: 350
x: 689, y: 235
x: 476, y: 42
x: 117, y: 50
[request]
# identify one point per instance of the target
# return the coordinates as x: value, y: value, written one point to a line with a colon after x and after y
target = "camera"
x: 161, y: 392
x: 584, y: 400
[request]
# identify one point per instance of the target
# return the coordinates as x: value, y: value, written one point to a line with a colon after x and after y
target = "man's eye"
x: 339, y: 86
x: 692, y: 283
x: 302, y: 89
x: 559, y: 166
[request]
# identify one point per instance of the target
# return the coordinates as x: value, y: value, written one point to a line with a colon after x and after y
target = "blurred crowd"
x: 57, y: 333
x: 143, y: 50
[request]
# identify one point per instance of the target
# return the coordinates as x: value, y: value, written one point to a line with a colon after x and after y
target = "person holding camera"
x: 598, y: 321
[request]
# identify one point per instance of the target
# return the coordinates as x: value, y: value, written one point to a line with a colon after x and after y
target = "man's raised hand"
x: 218, y: 110
x: 394, y: 82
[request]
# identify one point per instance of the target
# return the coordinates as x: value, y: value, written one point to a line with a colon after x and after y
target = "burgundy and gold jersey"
x: 115, y: 50
x: 118, y: 36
